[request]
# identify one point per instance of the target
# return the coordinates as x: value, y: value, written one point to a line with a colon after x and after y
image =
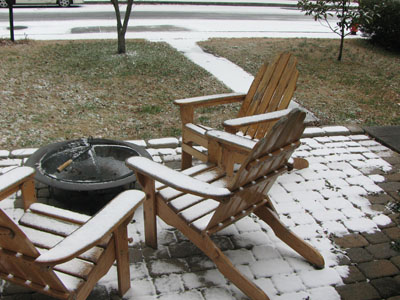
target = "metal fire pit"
x: 94, y: 168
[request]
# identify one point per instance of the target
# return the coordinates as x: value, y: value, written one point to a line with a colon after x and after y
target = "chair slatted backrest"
x: 267, y: 160
x: 272, y: 89
x: 17, y: 255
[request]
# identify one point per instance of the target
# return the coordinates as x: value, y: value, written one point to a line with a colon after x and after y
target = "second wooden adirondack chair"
x: 60, y: 253
x: 206, y: 198
x: 272, y: 89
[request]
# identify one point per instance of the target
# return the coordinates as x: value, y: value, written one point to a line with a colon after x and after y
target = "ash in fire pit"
x: 86, y: 169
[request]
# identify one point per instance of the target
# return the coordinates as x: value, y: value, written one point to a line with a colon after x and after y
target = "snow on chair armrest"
x: 14, y: 178
x: 256, y: 119
x: 175, y: 179
x: 211, y: 99
x: 99, y: 226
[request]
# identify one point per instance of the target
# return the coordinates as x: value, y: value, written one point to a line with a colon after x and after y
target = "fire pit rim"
x: 38, y: 155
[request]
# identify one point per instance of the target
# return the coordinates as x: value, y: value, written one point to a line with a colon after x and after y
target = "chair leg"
x: 226, y: 267
x: 149, y: 210
x: 300, y: 163
x: 186, y: 160
x: 150, y: 223
x: 122, y: 257
x: 292, y: 240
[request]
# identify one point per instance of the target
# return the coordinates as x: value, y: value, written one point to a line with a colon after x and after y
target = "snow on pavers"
x: 328, y: 198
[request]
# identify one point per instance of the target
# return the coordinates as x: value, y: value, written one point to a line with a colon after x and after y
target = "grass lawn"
x: 57, y: 90
x: 52, y: 91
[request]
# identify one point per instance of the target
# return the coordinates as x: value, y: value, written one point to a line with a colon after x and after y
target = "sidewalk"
x: 340, y: 204
x: 286, y: 3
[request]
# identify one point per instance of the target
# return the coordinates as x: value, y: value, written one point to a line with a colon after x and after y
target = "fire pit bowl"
x: 95, y: 166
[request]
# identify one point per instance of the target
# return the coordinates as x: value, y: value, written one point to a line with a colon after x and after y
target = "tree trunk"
x: 11, y: 17
x: 341, y: 46
x: 122, y: 27
x: 121, y: 42
x: 342, y: 27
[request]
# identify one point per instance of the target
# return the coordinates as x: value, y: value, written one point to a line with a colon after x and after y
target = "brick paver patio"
x: 346, y: 204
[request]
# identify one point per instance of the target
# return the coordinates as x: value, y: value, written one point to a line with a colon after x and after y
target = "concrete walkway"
x: 343, y: 204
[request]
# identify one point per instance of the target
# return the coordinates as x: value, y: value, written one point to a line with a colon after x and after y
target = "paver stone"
x: 393, y: 233
x: 378, y: 268
x: 354, y: 275
x: 351, y: 241
x: 376, y: 237
x: 386, y: 286
x: 381, y: 251
x: 359, y: 255
x: 358, y: 291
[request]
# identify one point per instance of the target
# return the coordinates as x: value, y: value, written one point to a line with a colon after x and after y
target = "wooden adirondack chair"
x: 272, y: 89
x: 60, y: 253
x: 206, y: 198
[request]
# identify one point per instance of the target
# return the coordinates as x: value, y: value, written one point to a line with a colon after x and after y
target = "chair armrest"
x: 255, y: 119
x: 10, y: 181
x: 175, y: 179
x: 89, y: 234
x: 232, y: 140
x: 211, y: 100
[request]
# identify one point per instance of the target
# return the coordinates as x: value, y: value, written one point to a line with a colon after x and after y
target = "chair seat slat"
x: 76, y: 268
x: 199, y: 210
x: 58, y: 213
x: 184, y: 201
x: 72, y: 283
x: 201, y: 223
x: 48, y: 240
x: 48, y: 224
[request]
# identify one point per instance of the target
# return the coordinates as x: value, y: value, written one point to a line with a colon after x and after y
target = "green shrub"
x: 380, y: 21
